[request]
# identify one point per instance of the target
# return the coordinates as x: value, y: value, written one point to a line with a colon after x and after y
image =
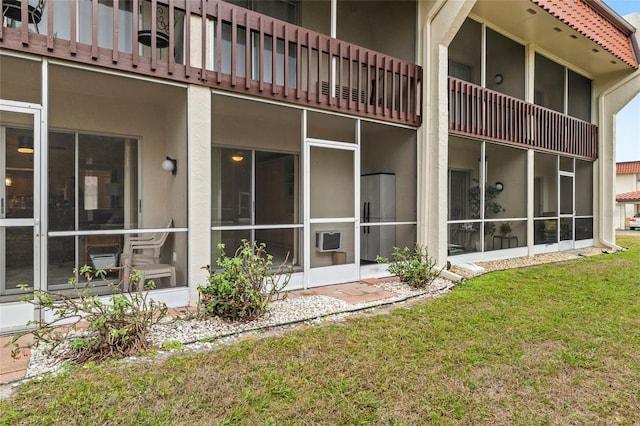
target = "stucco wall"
x: 90, y: 102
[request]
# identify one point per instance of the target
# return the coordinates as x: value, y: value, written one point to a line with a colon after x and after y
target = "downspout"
x: 601, y: 97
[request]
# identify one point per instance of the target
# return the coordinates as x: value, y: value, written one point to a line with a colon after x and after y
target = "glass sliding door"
x: 93, y: 196
x: 19, y: 212
x: 254, y: 197
x: 17, y: 200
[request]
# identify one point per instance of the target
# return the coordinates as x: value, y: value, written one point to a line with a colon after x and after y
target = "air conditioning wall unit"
x: 328, y: 241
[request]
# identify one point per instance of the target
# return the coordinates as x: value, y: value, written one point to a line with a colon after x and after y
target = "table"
x: 91, y: 241
x: 502, y: 239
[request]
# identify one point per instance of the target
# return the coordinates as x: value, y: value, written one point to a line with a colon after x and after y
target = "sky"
x: 627, y: 120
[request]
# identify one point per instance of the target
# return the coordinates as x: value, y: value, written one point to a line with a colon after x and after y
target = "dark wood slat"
x: 274, y: 58
x: 286, y: 64
x: 319, y: 83
x: 50, y: 33
x: 172, y: 36
x: 24, y: 17
x: 218, y: 57
x: 261, y: 50
x: 154, y: 34
x: 330, y: 74
x: 134, y: 30
x: 116, y: 30
x: 247, y: 53
x: 94, y: 29
x: 309, y: 58
x: 187, y: 42
x: 234, y: 47
x: 298, y: 64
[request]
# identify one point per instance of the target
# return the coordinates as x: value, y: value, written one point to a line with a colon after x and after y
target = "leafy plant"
x: 117, y: 327
x: 414, y: 267
x: 244, y: 285
x: 491, y: 206
x: 172, y: 345
x: 505, y: 228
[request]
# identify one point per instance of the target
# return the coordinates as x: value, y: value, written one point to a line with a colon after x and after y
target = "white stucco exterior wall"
x: 610, y: 102
x: 439, y: 22
x: 625, y: 183
x: 199, y: 172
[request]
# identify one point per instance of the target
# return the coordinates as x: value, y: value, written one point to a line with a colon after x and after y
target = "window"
x: 551, y: 91
x: 284, y: 10
x: 458, y: 194
x: 505, y: 59
x: 254, y: 194
x: 101, y: 191
x: 93, y: 186
x: 579, y: 96
x: 549, y: 83
x: 255, y: 62
x: 465, y: 52
x: 505, y: 65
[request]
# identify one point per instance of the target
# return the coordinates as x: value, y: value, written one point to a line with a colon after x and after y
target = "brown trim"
x: 482, y: 113
x: 364, y: 82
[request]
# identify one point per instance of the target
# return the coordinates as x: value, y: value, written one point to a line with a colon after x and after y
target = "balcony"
x: 221, y: 46
x: 482, y: 113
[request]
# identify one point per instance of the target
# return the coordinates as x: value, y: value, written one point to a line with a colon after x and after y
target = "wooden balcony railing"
x: 478, y: 112
x: 236, y: 50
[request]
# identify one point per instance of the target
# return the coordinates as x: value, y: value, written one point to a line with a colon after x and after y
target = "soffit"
x: 550, y: 35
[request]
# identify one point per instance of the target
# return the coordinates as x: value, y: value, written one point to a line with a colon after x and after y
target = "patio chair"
x: 142, y: 253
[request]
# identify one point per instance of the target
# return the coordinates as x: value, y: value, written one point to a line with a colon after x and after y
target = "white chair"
x: 142, y: 253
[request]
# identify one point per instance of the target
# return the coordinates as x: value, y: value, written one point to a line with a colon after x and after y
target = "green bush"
x: 243, y: 285
x: 414, y: 267
x: 115, y: 328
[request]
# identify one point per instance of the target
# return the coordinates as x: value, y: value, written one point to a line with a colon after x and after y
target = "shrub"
x: 244, y: 285
x: 115, y: 328
x: 414, y: 267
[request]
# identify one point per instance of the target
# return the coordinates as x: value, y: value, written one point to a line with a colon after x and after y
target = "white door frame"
x: 14, y: 315
x: 567, y: 244
x: 337, y: 273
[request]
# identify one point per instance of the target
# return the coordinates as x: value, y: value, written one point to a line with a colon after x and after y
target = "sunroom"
x: 520, y: 142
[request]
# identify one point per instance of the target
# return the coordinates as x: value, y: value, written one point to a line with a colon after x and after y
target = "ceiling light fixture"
x: 25, y: 145
x: 237, y: 157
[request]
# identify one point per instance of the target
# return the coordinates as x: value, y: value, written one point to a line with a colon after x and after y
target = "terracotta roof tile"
x: 589, y: 22
x: 628, y: 196
x: 627, y: 168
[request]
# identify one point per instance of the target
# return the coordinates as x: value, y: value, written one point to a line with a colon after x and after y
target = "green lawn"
x: 554, y: 344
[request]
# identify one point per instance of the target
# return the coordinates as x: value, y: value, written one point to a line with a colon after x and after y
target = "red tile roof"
x: 628, y: 197
x: 628, y: 168
x: 582, y: 17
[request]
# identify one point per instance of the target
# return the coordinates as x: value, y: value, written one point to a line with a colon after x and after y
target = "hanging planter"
x: 162, y: 26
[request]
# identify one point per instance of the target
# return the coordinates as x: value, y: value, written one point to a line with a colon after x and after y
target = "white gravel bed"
x: 203, y: 334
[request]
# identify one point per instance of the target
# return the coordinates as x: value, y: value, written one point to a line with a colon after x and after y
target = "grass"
x: 553, y: 344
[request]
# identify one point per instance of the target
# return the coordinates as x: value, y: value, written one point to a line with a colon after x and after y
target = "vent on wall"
x: 328, y: 241
x: 344, y: 93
